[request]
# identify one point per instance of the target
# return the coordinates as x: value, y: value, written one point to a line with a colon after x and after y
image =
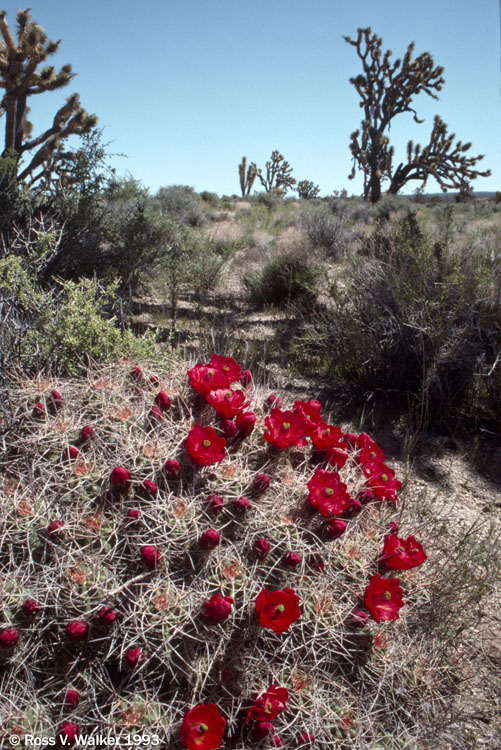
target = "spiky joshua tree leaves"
x: 278, y: 177
x: 387, y: 89
x: 247, y: 176
x: 306, y: 189
x: 22, y: 77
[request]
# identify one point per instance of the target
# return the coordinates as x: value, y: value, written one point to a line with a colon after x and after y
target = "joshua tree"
x: 247, y: 176
x: 306, y: 189
x: 278, y: 175
x: 386, y: 90
x: 20, y: 77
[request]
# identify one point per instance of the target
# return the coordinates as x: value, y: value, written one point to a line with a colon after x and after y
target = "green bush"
x: 181, y: 203
x: 283, y: 280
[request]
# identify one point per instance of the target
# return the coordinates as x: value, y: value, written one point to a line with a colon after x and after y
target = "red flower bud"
x: 136, y: 373
x: 261, y: 729
x: 305, y: 739
x: 155, y: 414
x: 246, y: 378
x: 154, y: 379
x: 8, y: 637
x: 86, y: 433
x: 246, y: 421
x: 261, y: 547
x: 241, y: 505
x: 393, y: 527
x: 214, y: 504
x: 291, y: 559
x: 71, y: 698
x: 30, y: 608
x: 273, y: 401
x: 316, y: 563
x: 107, y: 615
x: 55, y: 528
x: 149, y: 487
x: 335, y: 528
x: 120, y: 479
x: 133, y: 514
x: 229, y: 427
x: 134, y: 657
x: 150, y: 556
x: 39, y: 411
x: 277, y: 740
x: 261, y: 482
x: 209, y: 539
x: 56, y: 399
x: 358, y: 618
x: 162, y: 400
x: 354, y: 508
x: 365, y: 496
x: 172, y: 468
x: 70, y: 453
x: 77, y: 631
x: 68, y: 733
x: 217, y: 608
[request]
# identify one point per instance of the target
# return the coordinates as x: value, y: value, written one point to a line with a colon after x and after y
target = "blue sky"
x: 185, y: 88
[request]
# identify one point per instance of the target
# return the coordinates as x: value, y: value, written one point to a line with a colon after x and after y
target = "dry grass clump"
x: 370, y: 687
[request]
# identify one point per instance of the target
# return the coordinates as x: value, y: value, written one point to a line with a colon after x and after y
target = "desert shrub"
x: 326, y: 228
x: 211, y: 198
x: 415, y: 325
x: 118, y: 590
x: 284, y: 279
x: 181, y: 203
x: 271, y: 200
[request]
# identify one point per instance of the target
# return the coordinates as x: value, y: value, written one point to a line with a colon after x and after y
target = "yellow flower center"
x: 286, y: 426
x: 329, y: 491
x: 387, y: 596
x: 206, y: 443
x: 280, y: 608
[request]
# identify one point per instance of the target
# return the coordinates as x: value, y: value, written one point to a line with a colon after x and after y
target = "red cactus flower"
x: 203, y: 727
x: 227, y: 365
x: 261, y: 547
x: 305, y: 739
x: 86, y: 434
x: 162, y: 400
x: 155, y: 414
x: 309, y: 411
x: 204, y: 446
x: 316, y: 563
x: 336, y: 457
x: 136, y: 373
x: 214, y: 504
x: 402, y: 554
x: 327, y: 493
x: 381, y: 480
x: 71, y: 698
x: 261, y: 729
x: 30, y: 608
x: 229, y: 428
x: 268, y: 704
x: 68, y: 733
x: 246, y: 378
x: 56, y: 396
x: 277, y: 610
x: 291, y: 559
x: 393, y: 527
x: 226, y: 402
x: 217, y: 608
x: 261, y: 482
x: 283, y: 429
x: 172, y: 468
x: 205, y: 378
x: 335, y: 528
x: 107, y: 616
x: 56, y: 528
x: 150, y: 556
x: 149, y: 487
x: 383, y: 598
x: 245, y: 423
x: 274, y: 401
x: 39, y: 411
x: 70, y: 453
x: 77, y: 631
x: 241, y: 504
x: 9, y: 637
x: 209, y: 539
x: 369, y: 450
x: 133, y: 514
x: 358, y: 618
x: 326, y: 436
x: 120, y: 479
x: 134, y: 657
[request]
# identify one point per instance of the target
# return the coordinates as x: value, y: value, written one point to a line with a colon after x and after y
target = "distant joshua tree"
x: 278, y: 176
x: 307, y: 190
x: 247, y: 176
x: 386, y: 90
x: 20, y: 77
